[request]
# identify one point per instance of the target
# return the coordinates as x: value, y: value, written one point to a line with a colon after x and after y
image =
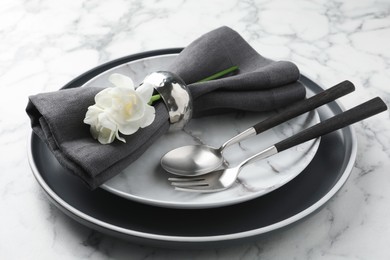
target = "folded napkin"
x: 260, y: 85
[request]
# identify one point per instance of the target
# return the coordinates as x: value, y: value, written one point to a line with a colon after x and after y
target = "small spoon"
x: 195, y: 160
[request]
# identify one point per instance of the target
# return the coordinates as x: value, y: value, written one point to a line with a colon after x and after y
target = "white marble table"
x: 44, y: 44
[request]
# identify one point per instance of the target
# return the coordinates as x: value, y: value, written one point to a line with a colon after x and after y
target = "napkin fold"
x: 260, y: 85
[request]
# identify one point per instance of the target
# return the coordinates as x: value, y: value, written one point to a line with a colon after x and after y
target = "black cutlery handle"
x: 351, y: 116
x: 306, y: 105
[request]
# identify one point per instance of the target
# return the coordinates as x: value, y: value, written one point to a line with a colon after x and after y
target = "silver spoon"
x: 195, y: 160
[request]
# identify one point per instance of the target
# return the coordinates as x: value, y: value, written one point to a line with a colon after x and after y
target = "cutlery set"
x: 199, y: 166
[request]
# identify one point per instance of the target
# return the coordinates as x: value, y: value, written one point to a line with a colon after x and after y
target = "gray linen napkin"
x: 260, y: 85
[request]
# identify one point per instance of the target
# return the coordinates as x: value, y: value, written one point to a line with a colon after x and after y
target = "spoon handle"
x: 306, y: 105
x: 351, y: 116
x: 294, y: 110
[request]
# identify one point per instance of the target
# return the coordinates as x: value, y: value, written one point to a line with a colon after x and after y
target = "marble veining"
x: 45, y: 44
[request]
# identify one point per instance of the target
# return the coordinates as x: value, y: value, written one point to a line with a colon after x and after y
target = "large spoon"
x: 195, y: 160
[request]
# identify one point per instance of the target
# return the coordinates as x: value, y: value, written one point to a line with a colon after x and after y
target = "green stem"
x: 154, y: 98
x: 219, y: 74
x: 214, y: 76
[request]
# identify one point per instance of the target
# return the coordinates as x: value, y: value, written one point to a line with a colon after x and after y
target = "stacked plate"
x: 140, y: 205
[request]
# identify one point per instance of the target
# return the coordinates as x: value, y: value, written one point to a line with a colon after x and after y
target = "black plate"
x: 152, y: 225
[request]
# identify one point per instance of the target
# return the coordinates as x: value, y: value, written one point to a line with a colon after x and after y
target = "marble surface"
x: 45, y: 44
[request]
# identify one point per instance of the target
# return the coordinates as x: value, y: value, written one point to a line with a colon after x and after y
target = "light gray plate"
x: 159, y: 226
x: 145, y: 181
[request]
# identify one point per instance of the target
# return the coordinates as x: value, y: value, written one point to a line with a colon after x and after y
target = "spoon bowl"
x: 192, y: 160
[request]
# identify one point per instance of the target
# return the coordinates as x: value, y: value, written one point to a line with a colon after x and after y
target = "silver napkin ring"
x: 175, y: 95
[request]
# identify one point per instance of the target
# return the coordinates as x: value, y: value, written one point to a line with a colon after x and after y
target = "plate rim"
x: 225, y: 237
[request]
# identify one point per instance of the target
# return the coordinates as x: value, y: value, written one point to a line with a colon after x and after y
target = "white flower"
x: 120, y: 109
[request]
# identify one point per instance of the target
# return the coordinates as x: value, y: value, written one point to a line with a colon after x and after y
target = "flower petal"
x: 129, y: 128
x: 106, y: 129
x: 92, y: 114
x: 103, y: 98
x: 94, y: 131
x: 120, y: 138
x: 145, y: 92
x: 106, y: 136
x: 121, y: 81
x: 148, y: 117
